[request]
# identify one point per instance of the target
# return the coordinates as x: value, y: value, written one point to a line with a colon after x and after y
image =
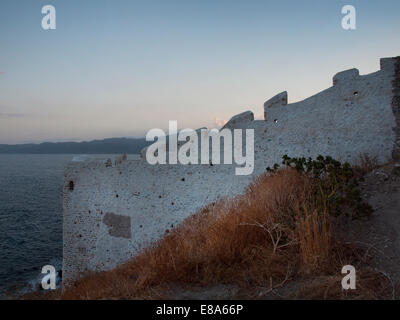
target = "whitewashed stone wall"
x: 111, y: 211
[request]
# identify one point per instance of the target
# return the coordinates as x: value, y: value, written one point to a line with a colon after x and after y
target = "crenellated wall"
x: 110, y: 212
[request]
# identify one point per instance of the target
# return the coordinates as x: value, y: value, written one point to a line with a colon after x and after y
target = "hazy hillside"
x: 106, y: 146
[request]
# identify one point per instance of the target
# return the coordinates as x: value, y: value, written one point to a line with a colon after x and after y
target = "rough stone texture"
x: 242, y: 118
x: 357, y: 115
x: 280, y: 99
x: 346, y: 76
x: 396, y: 108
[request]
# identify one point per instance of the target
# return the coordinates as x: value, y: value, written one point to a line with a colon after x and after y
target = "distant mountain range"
x: 106, y: 146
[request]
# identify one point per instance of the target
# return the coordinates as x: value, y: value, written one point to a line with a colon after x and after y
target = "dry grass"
x: 274, y: 233
x: 371, y: 285
x: 314, y: 239
x: 365, y: 164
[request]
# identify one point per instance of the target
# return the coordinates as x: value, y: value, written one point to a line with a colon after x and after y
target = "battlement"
x: 242, y: 118
x: 281, y: 99
x: 347, y: 75
x: 388, y: 64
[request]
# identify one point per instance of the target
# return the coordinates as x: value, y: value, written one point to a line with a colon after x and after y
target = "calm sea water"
x: 30, y: 216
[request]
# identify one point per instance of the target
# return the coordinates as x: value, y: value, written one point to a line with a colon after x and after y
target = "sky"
x: 119, y: 68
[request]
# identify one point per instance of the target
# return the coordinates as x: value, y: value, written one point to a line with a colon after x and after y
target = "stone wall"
x: 110, y: 212
x: 396, y: 108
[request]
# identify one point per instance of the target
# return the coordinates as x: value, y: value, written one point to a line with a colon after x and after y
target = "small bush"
x: 336, y: 185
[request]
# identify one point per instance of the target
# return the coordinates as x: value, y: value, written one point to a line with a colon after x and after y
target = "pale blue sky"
x: 119, y: 68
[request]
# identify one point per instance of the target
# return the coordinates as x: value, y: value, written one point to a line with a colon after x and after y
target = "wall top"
x: 350, y: 74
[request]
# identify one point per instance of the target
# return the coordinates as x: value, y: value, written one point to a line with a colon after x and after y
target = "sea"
x: 31, y: 218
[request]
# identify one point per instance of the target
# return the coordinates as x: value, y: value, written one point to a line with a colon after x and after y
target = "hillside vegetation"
x: 281, y: 238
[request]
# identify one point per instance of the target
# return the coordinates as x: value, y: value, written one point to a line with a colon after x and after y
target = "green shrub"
x: 336, y: 187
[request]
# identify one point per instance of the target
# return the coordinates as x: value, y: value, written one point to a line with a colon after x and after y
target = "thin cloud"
x: 14, y: 115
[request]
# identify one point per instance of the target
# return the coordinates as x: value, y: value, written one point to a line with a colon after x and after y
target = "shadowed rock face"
x: 396, y: 108
x: 118, y: 225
